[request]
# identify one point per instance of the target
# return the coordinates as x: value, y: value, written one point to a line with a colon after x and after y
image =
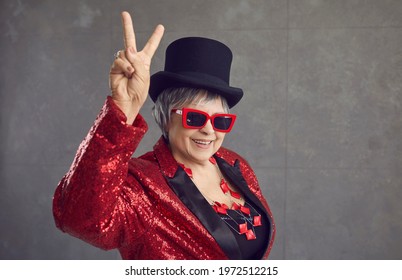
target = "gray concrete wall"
x: 321, y: 120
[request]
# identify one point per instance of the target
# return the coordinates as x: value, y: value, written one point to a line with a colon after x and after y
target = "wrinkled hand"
x: 130, y: 73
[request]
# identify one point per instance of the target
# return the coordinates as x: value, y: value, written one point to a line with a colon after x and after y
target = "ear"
x: 166, y: 130
x: 167, y: 127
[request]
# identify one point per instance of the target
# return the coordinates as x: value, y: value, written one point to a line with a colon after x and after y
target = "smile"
x: 202, y: 142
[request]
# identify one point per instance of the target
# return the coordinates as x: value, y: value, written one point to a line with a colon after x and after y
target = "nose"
x: 208, y: 128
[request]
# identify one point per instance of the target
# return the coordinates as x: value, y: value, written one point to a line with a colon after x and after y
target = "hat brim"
x: 163, y: 80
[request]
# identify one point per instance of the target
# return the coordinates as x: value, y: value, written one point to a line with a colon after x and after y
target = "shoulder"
x: 148, y: 156
x: 145, y: 162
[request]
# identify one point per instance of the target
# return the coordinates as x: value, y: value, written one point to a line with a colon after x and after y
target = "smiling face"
x: 195, y: 146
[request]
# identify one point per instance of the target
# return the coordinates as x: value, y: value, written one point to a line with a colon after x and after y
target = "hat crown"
x: 196, y: 62
x: 199, y: 55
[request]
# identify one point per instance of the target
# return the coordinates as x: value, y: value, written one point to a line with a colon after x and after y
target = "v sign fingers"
x: 130, y: 73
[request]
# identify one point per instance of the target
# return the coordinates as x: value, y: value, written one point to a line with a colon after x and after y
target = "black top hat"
x: 197, y: 63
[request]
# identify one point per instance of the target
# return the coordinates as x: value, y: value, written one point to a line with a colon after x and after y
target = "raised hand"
x: 130, y: 72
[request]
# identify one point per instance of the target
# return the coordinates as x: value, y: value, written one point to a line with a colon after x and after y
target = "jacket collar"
x: 168, y: 165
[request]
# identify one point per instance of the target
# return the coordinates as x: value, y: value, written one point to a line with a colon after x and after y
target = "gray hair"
x: 177, y: 98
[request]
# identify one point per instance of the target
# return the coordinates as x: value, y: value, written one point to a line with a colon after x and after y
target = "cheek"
x: 177, y: 133
x: 174, y: 128
x: 220, y: 135
x: 219, y: 138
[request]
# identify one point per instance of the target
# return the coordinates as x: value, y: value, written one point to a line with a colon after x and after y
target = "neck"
x: 198, y: 169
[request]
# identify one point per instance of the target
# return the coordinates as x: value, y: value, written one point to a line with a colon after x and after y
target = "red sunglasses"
x: 193, y: 119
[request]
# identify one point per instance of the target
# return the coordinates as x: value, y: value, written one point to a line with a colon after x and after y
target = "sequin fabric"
x: 112, y: 200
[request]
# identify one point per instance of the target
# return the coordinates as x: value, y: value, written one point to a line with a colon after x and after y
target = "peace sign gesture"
x: 130, y: 72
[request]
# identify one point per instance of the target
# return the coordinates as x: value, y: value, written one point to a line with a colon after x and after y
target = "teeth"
x: 202, y: 142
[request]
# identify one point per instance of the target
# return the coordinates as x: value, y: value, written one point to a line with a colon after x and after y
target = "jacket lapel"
x: 189, y: 194
x: 191, y: 197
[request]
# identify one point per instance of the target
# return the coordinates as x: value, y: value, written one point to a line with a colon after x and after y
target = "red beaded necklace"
x: 241, y: 210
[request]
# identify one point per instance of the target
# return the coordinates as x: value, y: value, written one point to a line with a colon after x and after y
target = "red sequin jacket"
x: 147, y: 207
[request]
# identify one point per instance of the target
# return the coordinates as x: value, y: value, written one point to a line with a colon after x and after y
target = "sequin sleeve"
x: 89, y: 201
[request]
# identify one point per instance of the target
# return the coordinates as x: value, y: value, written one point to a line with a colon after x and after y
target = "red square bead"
x: 245, y: 210
x: 235, y: 206
x: 250, y: 235
x: 212, y: 160
x: 224, y: 186
x: 221, y: 210
x: 257, y: 221
x: 243, y: 228
x: 235, y: 194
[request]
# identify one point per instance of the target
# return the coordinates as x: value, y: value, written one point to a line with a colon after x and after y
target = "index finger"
x: 128, y: 30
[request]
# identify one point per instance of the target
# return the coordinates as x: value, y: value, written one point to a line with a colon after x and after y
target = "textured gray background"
x: 321, y: 120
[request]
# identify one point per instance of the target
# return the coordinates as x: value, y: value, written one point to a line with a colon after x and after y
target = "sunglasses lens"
x: 195, y: 119
x: 223, y: 123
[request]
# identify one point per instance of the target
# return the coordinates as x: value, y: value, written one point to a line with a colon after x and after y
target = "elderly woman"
x: 189, y: 198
